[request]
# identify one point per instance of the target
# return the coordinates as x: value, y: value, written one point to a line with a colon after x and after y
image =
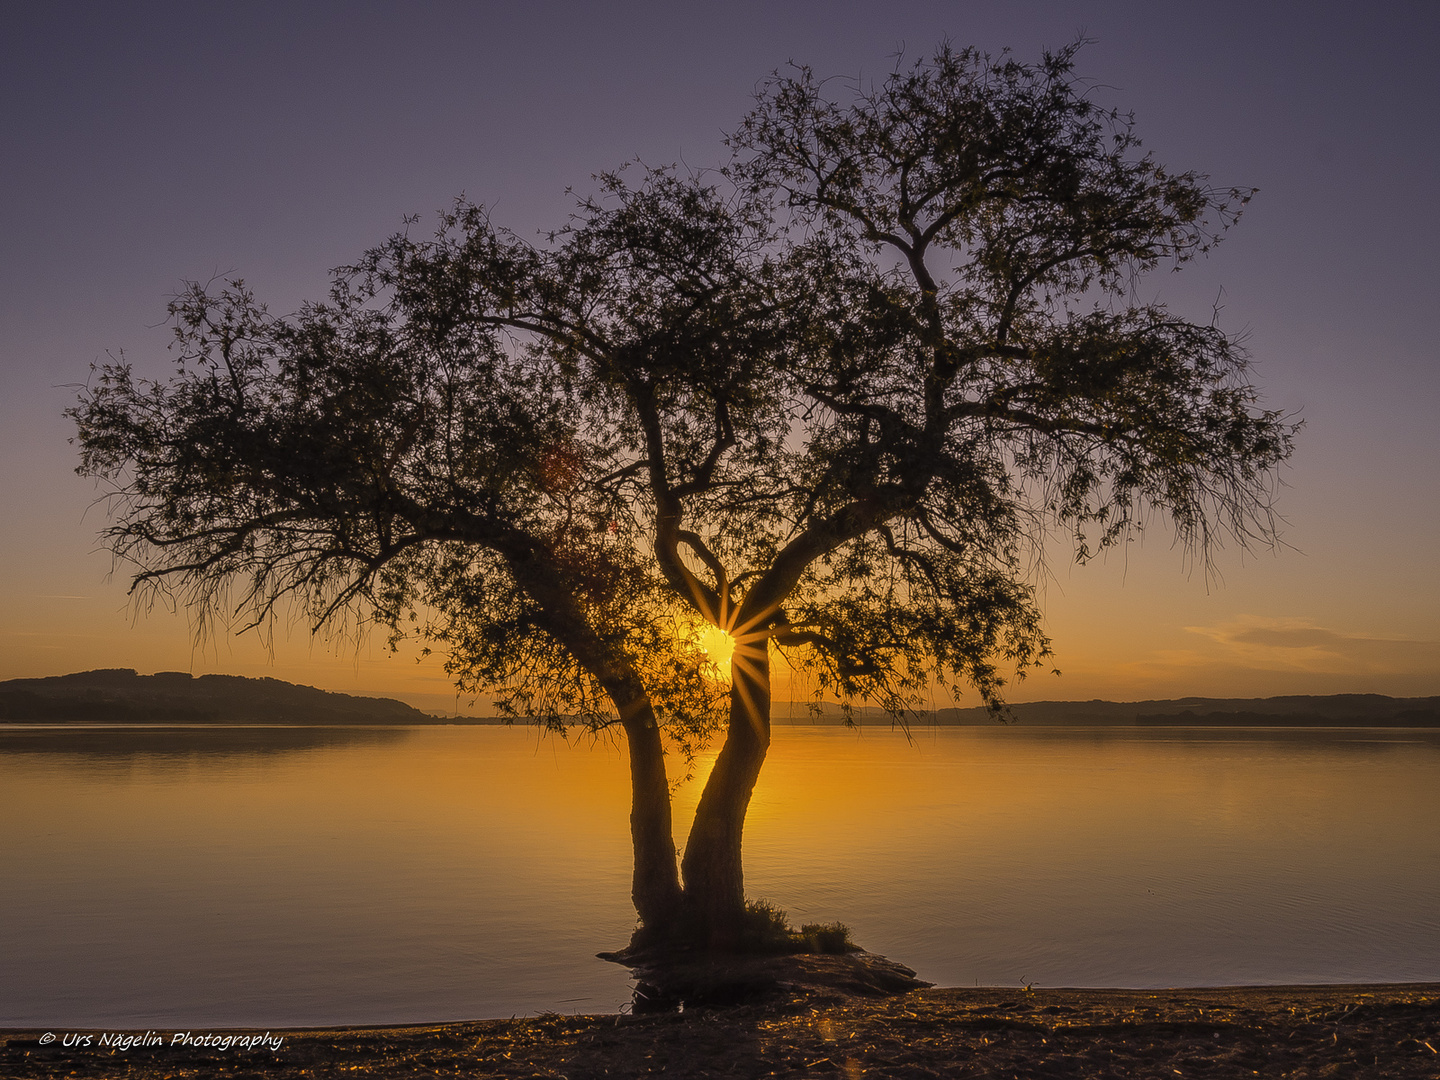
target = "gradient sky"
x: 145, y: 144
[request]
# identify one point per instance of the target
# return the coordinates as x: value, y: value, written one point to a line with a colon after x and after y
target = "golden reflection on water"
x: 873, y: 785
x: 447, y: 872
x: 1111, y: 856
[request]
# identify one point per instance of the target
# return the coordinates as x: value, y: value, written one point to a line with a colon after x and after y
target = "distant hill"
x: 120, y: 696
x: 1335, y: 710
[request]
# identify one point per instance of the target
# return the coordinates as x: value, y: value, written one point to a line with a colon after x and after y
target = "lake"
x: 286, y: 876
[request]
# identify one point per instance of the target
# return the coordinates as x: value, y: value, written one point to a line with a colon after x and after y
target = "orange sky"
x: 1326, y: 620
x: 253, y: 150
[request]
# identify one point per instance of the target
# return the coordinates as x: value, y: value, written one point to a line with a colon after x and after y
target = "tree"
x: 832, y: 401
x: 962, y: 241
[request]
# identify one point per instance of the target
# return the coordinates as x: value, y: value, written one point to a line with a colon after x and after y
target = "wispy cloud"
x: 1286, y: 644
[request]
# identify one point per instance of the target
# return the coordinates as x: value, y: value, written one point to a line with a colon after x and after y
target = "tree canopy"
x: 832, y: 399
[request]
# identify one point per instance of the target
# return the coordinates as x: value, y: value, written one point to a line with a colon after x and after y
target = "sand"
x: 1323, y: 1031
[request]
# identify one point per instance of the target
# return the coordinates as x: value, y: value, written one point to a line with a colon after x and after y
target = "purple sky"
x: 143, y: 144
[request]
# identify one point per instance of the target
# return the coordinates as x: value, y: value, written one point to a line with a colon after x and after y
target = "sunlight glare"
x: 718, y: 645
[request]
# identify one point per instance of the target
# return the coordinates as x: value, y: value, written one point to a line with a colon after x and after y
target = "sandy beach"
x: 1323, y: 1031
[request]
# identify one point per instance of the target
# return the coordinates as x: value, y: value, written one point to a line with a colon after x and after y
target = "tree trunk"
x: 656, y: 884
x: 713, y: 873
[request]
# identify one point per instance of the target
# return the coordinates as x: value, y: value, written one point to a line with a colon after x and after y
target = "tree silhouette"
x: 831, y: 400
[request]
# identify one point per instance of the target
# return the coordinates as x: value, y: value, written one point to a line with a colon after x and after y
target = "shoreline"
x: 1390, y: 1030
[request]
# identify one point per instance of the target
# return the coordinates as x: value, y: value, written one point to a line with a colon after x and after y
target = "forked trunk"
x: 656, y: 884
x: 712, y: 869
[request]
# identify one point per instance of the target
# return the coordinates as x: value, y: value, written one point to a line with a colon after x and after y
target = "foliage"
x: 968, y: 234
x: 378, y: 461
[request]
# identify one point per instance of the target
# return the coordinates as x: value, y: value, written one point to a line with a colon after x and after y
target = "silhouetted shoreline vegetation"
x: 1298, y: 710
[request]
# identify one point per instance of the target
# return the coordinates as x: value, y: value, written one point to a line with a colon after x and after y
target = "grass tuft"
x: 767, y: 929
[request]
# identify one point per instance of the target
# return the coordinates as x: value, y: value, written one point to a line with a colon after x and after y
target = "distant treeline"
x: 120, y: 696
x: 1335, y: 710
x: 1403, y: 718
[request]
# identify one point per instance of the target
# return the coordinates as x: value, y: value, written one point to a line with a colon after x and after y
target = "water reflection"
x: 188, y: 743
x: 366, y: 876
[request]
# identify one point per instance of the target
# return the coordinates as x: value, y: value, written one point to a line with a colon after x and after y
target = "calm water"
x: 315, y: 876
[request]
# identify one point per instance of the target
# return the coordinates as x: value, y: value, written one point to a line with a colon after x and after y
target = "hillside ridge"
x: 122, y: 696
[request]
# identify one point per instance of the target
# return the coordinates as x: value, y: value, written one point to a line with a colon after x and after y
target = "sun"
x: 718, y: 645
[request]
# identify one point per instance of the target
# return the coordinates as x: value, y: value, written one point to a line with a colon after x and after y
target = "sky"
x: 144, y: 145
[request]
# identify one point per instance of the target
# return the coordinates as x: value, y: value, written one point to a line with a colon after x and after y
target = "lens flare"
x: 718, y: 645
